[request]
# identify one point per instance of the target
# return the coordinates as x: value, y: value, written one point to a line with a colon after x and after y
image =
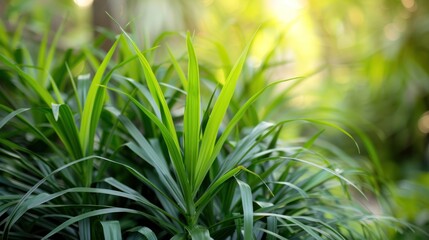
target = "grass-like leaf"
x: 88, y: 215
x: 179, y: 70
x: 63, y: 122
x: 154, y: 87
x: 12, y: 115
x: 205, y: 160
x: 191, y: 131
x: 148, y: 233
x: 174, y: 149
x: 247, y: 201
x: 93, y: 105
x: 111, y: 230
x: 32, y: 82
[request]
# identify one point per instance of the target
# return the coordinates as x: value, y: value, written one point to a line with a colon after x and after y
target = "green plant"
x: 128, y: 155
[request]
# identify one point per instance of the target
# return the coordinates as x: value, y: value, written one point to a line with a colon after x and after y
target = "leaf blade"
x: 219, y: 109
x: 93, y: 105
x: 192, y: 113
x: 111, y: 230
x: 247, y: 202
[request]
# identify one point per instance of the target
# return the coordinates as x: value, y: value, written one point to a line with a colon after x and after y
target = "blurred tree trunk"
x: 2, y: 7
x: 100, y: 19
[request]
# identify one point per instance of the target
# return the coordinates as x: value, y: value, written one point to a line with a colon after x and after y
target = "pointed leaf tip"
x: 55, y: 110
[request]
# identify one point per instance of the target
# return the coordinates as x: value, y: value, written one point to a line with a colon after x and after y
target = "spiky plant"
x: 126, y: 155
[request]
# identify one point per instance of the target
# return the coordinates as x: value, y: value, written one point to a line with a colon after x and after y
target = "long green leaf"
x: 211, y: 190
x: 111, y: 230
x: 137, y: 196
x: 308, y: 229
x: 240, y: 113
x: 326, y: 169
x: 271, y: 235
x: 164, y: 175
x: 148, y: 233
x: 35, y: 130
x: 64, y: 125
x: 51, y: 53
x: 20, y: 208
x: 309, y: 143
x: 154, y: 87
x: 88, y: 215
x: 93, y: 105
x: 272, y: 228
x: 84, y: 228
x: 12, y: 115
x: 247, y: 201
x: 173, y: 148
x: 199, y: 233
x: 3, y: 35
x: 245, y: 147
x: 146, y: 94
x: 41, y: 58
x: 179, y: 70
x: 192, y: 113
x: 293, y: 186
x: 24, y: 204
x: 209, y: 137
x: 72, y: 80
x: 33, y: 83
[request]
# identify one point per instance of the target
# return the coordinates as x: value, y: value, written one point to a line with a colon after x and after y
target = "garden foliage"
x: 118, y: 145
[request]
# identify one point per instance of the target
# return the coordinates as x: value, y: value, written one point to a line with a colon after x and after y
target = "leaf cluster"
x: 136, y: 150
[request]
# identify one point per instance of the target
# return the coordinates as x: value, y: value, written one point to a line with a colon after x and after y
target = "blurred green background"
x: 367, y: 62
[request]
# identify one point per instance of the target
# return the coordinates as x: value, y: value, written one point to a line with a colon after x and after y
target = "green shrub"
x: 138, y: 152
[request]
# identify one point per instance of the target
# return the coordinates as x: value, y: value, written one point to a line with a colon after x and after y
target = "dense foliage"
x: 169, y: 137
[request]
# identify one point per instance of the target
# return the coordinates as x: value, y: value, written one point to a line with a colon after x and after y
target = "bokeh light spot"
x: 83, y: 3
x: 392, y: 31
x: 408, y: 3
x: 424, y: 123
